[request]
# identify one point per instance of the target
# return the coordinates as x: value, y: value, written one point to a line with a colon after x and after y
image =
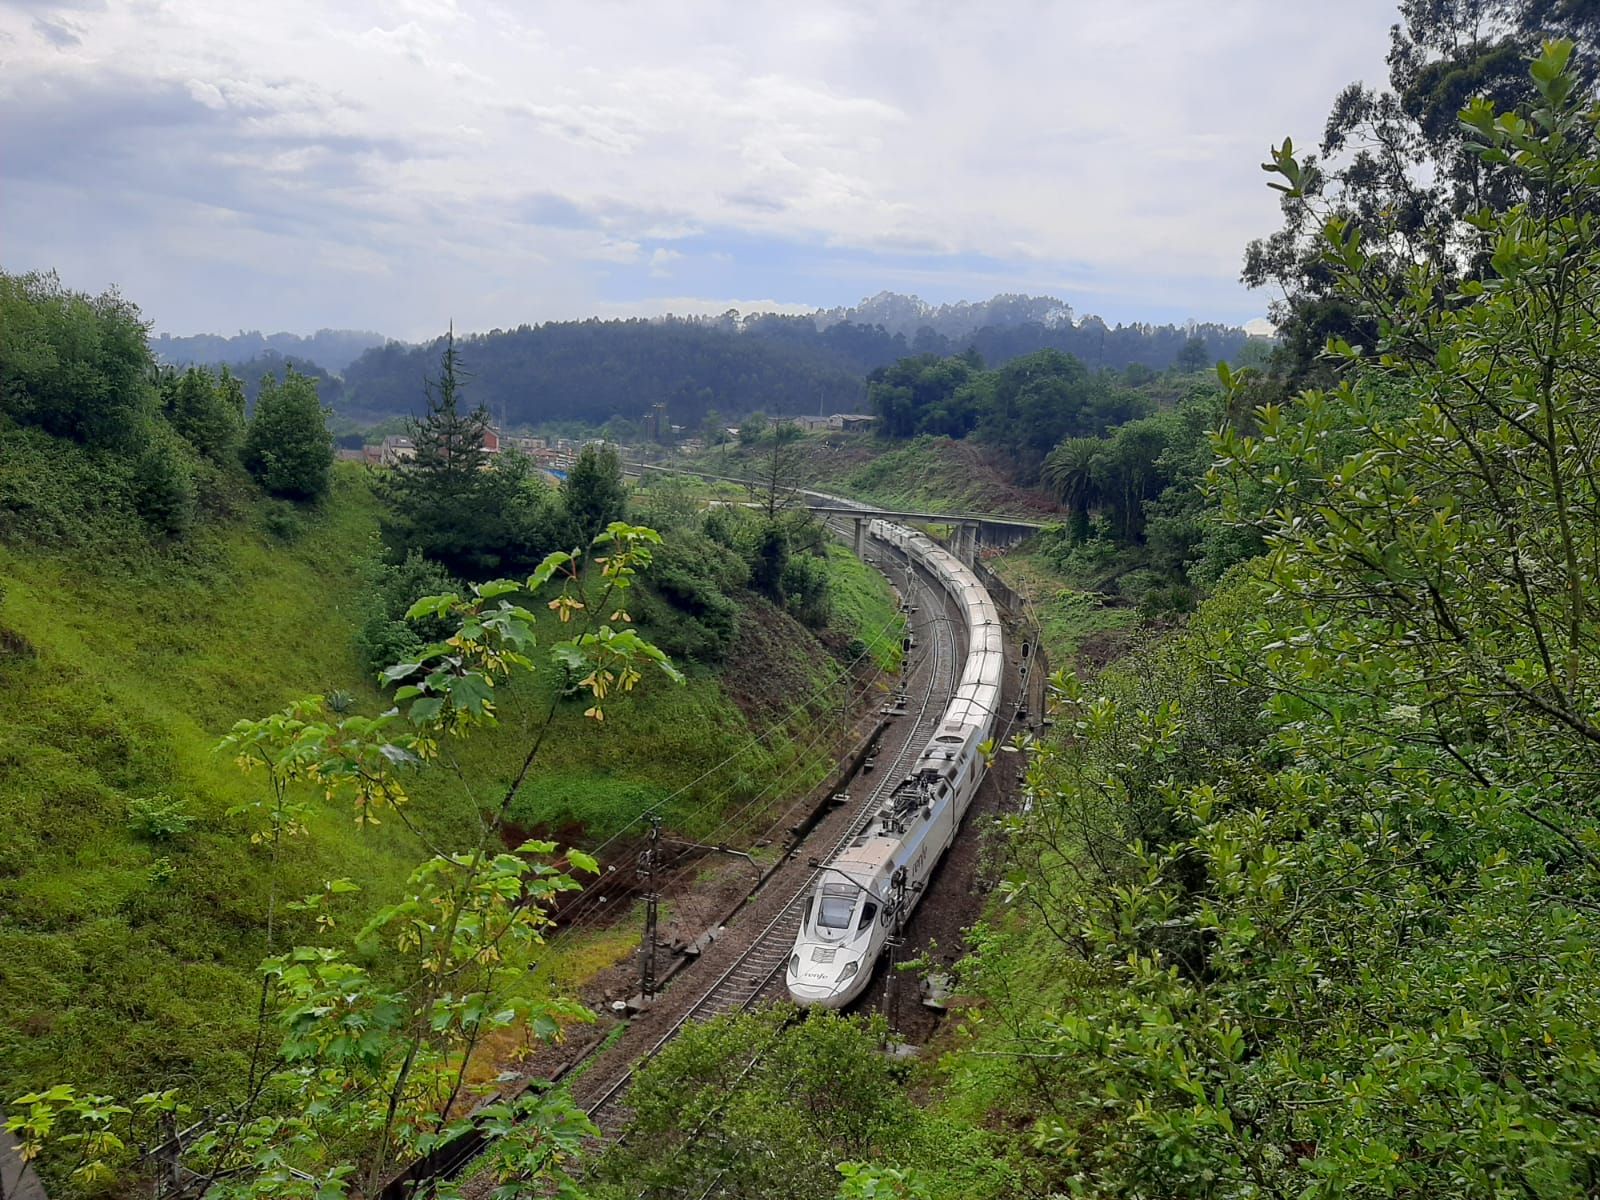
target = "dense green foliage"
x: 1397, y: 166
x: 385, y: 635
x: 592, y: 494
x: 206, y: 410
x: 105, y: 448
x: 287, y: 446
x: 757, y: 1106
x: 73, y: 365
x: 1314, y: 883
x: 1023, y: 409
x: 1151, y: 524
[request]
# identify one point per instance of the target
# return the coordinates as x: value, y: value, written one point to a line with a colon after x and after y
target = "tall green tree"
x: 593, y: 494
x: 1069, y: 473
x: 1395, y: 163
x: 205, y: 409
x: 778, y: 469
x: 1195, y: 355
x: 287, y: 446
x: 74, y: 365
x: 435, y: 500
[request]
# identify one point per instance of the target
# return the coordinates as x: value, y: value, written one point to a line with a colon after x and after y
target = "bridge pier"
x: 861, y: 537
x: 967, y: 542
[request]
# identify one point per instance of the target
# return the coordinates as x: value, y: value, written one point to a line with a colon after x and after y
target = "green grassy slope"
x: 864, y: 607
x: 127, y: 960
x: 931, y: 474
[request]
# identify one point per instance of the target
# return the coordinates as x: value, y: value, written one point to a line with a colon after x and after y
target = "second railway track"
x: 753, y: 973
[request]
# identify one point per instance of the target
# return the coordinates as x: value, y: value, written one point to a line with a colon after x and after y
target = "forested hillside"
x: 315, y: 775
x: 591, y: 371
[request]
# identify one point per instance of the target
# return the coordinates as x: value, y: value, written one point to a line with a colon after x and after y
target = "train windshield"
x: 838, y: 903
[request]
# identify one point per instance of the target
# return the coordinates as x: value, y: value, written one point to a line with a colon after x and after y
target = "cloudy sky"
x: 394, y: 165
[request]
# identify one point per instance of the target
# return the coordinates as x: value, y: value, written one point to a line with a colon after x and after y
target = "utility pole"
x: 649, y: 859
x: 892, y: 943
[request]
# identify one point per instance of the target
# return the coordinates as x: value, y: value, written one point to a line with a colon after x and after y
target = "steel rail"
x: 748, y: 977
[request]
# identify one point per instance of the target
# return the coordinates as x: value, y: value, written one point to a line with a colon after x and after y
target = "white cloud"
x: 1106, y: 147
x: 661, y: 262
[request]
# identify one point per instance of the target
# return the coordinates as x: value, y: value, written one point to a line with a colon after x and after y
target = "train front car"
x: 846, y: 921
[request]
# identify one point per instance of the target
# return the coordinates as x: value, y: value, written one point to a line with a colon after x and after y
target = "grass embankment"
x: 928, y: 474
x: 128, y: 948
x: 128, y: 956
x: 1073, y: 617
x: 865, y: 608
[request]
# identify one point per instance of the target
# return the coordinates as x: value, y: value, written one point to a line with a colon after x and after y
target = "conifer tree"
x: 438, y: 501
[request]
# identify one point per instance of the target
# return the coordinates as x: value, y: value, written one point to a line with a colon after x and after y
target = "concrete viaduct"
x: 969, y: 530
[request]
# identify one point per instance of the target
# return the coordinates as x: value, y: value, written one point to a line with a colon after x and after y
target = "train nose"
x: 829, y: 986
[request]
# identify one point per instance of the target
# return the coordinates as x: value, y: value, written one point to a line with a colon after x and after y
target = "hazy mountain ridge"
x: 331, y: 349
x: 899, y: 313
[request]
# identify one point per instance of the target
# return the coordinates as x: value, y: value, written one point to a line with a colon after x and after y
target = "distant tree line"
x: 1023, y: 408
x: 592, y: 371
x: 270, y: 364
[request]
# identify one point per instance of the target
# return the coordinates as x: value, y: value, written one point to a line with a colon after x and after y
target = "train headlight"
x: 794, y: 964
x: 850, y: 969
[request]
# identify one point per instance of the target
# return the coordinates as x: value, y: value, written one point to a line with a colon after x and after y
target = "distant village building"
x: 394, y: 450
x: 851, y: 422
x: 656, y: 426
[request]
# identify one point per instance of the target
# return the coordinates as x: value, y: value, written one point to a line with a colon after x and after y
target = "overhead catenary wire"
x: 592, y: 898
x: 944, y: 633
x: 794, y: 711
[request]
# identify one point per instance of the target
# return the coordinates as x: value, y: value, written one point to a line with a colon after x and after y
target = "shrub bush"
x: 159, y: 818
x: 163, y: 487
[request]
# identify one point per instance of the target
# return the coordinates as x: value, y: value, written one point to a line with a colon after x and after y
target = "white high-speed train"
x: 851, y: 911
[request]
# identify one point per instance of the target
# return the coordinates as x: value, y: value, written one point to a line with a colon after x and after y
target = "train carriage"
x: 851, y: 911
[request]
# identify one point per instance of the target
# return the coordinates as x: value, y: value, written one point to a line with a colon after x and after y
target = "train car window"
x: 838, y: 902
x: 868, y: 912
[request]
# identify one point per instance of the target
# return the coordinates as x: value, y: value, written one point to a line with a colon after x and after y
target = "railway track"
x: 755, y: 972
